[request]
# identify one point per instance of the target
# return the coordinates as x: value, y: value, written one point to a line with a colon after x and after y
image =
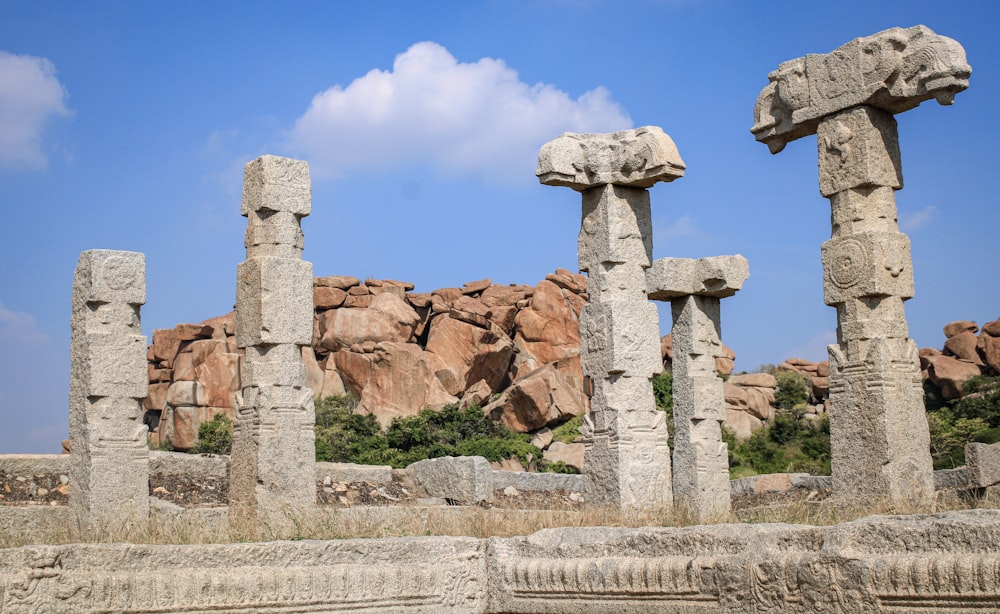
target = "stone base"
x: 947, y: 563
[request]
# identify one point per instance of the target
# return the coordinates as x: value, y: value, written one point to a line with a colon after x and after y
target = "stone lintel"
x: 276, y: 184
x: 716, y: 276
x: 893, y: 70
x: 637, y: 158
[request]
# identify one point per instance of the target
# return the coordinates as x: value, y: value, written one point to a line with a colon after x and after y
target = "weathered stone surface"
x: 879, y: 436
x: 108, y: 382
x: 893, y: 70
x: 639, y: 157
x: 953, y: 328
x: 877, y: 564
x: 472, y: 353
x: 964, y: 347
x: 328, y: 298
x: 717, y: 277
x: 700, y: 462
x: 741, y: 423
x: 949, y: 374
x: 571, y: 454
x: 545, y: 396
x: 272, y: 479
x: 395, y: 380
x: 982, y: 462
x: 465, y: 479
x: 388, y: 318
x: 988, y: 345
x: 547, y: 331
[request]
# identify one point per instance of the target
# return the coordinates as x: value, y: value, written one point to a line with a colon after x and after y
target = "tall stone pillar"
x: 878, y: 428
x: 273, y: 477
x: 626, y: 453
x: 701, y: 459
x: 108, y: 381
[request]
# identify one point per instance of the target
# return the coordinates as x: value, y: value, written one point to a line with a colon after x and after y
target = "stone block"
x: 867, y: 264
x: 110, y: 276
x: 858, y: 148
x: 620, y: 337
x: 616, y: 228
x: 272, y: 183
x: 717, y: 276
x: 114, y: 365
x: 274, y: 302
x: 864, y: 71
x: 464, y: 479
x: 638, y: 157
x: 983, y: 464
x: 185, y: 394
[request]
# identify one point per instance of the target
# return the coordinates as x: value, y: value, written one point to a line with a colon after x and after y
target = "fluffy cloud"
x: 30, y: 94
x: 457, y: 118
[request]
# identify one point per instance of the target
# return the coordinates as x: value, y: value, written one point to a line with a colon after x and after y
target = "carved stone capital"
x: 717, y: 276
x: 636, y: 158
x: 894, y: 70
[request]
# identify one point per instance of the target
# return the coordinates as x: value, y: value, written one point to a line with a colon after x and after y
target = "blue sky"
x: 126, y: 126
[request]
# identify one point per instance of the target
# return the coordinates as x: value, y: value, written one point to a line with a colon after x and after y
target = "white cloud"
x: 457, y: 118
x: 30, y: 94
x: 910, y: 221
x: 18, y: 327
x: 681, y: 227
x: 814, y: 348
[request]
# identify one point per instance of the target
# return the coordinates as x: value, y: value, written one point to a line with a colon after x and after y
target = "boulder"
x: 185, y: 394
x: 547, y: 331
x: 725, y: 363
x: 568, y: 280
x: 314, y: 372
x: 757, y: 400
x: 470, y: 352
x: 395, y: 380
x: 569, y: 453
x: 328, y: 298
x: 754, y: 380
x: 949, y: 374
x: 475, y: 287
x: 219, y: 377
x: 180, y: 426
x: 741, y: 423
x: 477, y: 395
x: 988, y: 345
x: 342, y: 282
x: 543, y: 397
x: 388, y: 318
x: 963, y: 346
x: 953, y: 328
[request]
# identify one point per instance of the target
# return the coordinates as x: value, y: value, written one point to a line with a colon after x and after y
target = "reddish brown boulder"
x: 219, y: 376
x: 389, y: 318
x: 568, y: 280
x: 725, y: 363
x: 471, y: 353
x: 963, y: 346
x: 949, y: 374
x: 342, y: 282
x: 547, y: 331
x: 156, y: 398
x: 222, y: 326
x: 328, y: 298
x: 953, y: 328
x: 752, y: 393
x: 475, y: 287
x: 543, y: 397
x: 988, y: 345
x: 395, y: 380
x: 667, y: 349
x: 741, y: 423
x: 165, y: 346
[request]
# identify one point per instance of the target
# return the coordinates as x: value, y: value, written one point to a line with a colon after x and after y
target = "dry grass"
x: 213, y: 526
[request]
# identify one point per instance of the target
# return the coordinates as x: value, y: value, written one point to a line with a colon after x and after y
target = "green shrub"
x: 215, y: 436
x: 791, y: 390
x: 973, y: 417
x: 786, y: 443
x: 343, y: 436
x: 568, y: 431
x: 980, y: 399
x: 556, y: 467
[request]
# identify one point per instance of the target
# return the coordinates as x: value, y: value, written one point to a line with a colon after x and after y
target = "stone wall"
x: 945, y: 563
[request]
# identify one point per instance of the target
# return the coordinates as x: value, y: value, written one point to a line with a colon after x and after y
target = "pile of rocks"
x: 513, y: 349
x: 965, y: 355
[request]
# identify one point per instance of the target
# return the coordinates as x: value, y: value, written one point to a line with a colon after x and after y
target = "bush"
x: 973, y: 417
x: 343, y: 436
x: 568, y: 431
x: 787, y: 443
x: 791, y: 391
x: 215, y: 436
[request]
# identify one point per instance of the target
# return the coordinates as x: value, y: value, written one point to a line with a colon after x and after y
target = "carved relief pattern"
x: 849, y: 263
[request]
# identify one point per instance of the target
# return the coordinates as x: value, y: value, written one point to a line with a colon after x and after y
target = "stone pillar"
x: 626, y: 454
x: 108, y: 381
x: 878, y: 428
x: 273, y: 478
x: 701, y: 460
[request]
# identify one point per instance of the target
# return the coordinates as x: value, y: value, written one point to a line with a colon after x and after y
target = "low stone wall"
x: 535, y: 482
x: 947, y: 563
